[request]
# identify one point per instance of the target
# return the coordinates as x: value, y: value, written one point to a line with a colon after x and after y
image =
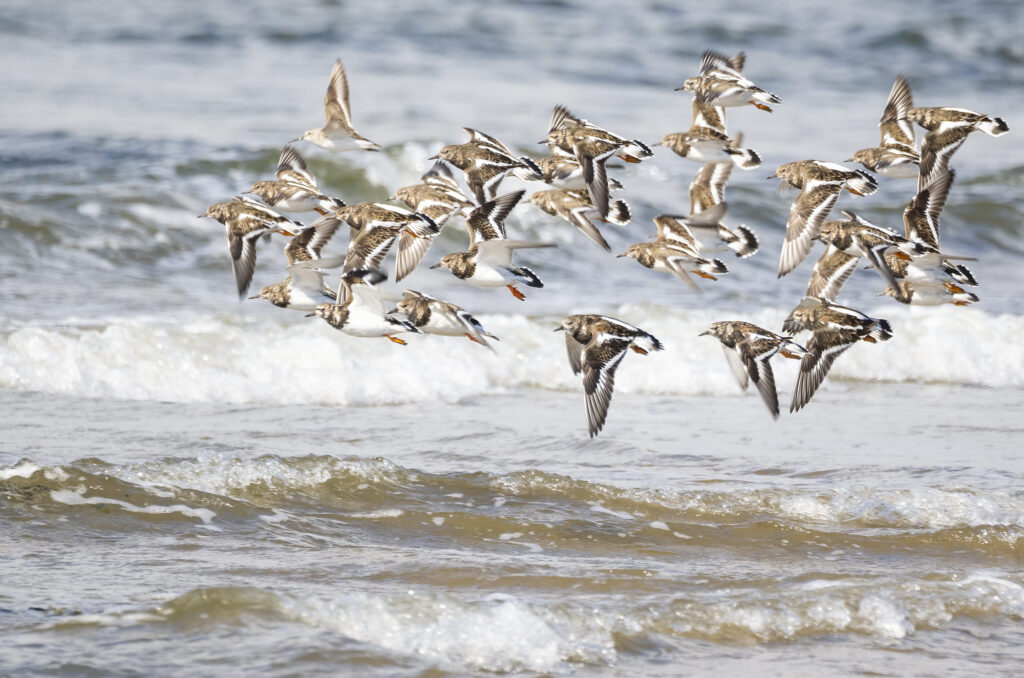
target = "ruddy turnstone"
x: 675, y: 251
x: 485, y: 162
x: 705, y: 145
x: 929, y: 277
x: 720, y: 83
x: 576, y: 208
x: 433, y: 316
x: 847, y: 242
x: 437, y: 195
x: 488, y: 262
x: 375, y: 227
x: 337, y: 134
x: 591, y: 146
x: 947, y: 130
x: 833, y: 329
x: 930, y: 293
x: 304, y: 287
x: 596, y: 344
x: 709, y: 234
x: 246, y: 221
x: 359, y: 310
x: 295, y: 189
x: 895, y: 156
x: 748, y: 348
x: 564, y: 172
x: 820, y: 184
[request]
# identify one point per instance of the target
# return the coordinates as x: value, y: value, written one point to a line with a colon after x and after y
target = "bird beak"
x: 255, y: 297
x: 848, y: 160
x: 657, y: 143
x: 295, y: 139
x: 559, y: 329
x: 680, y: 88
x: 433, y: 157
x: 542, y: 143
x: 394, y: 310
x: 774, y: 175
x: 310, y: 315
x: 619, y: 256
x: 704, y: 333
x: 437, y: 265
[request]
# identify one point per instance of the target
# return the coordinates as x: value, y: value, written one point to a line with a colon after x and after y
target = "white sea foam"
x: 501, y: 633
x: 243, y: 360
x: 77, y: 497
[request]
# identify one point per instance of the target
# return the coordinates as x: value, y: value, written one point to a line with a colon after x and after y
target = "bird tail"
x: 744, y: 158
x: 766, y: 97
x: 960, y: 273
x: 526, y: 276
x: 424, y: 226
x: 404, y: 325
x: 618, y: 213
x: 530, y: 171
x: 862, y: 184
x: 745, y: 242
x: 647, y: 342
x: 713, y: 267
x: 993, y: 126
x: 881, y: 331
x: 635, y: 151
x: 330, y: 204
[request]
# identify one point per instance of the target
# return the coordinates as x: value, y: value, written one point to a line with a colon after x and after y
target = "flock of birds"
x: 912, y: 266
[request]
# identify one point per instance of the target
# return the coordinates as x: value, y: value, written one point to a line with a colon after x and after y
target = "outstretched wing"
x: 600, y: 360
x: 336, y: 108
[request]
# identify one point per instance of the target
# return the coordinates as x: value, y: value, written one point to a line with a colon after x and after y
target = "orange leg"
x: 516, y: 293
x: 474, y: 339
x: 787, y: 354
x: 319, y: 211
x: 705, y: 275
x: 761, y: 106
x: 395, y: 339
x: 902, y: 255
x: 870, y: 339
x: 629, y: 158
x: 639, y: 350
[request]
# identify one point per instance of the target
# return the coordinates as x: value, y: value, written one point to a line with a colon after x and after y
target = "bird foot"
x: 639, y: 350
x: 903, y: 255
x: 395, y: 339
x: 705, y: 275
x: 516, y: 293
x: 870, y: 339
x: 787, y: 354
x: 629, y: 158
x: 761, y: 106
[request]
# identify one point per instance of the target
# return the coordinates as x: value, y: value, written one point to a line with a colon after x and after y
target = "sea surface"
x: 193, y: 485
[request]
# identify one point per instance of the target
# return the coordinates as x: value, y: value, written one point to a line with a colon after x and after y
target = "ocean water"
x: 194, y: 485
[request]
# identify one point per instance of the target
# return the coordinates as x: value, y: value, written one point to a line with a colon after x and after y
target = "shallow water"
x: 193, y: 485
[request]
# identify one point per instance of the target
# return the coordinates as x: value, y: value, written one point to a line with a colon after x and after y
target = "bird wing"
x: 833, y: 269
x: 806, y: 215
x: 823, y: 349
x: 600, y: 360
x: 336, y: 108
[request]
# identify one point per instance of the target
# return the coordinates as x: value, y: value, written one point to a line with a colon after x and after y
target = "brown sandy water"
x: 143, y: 538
